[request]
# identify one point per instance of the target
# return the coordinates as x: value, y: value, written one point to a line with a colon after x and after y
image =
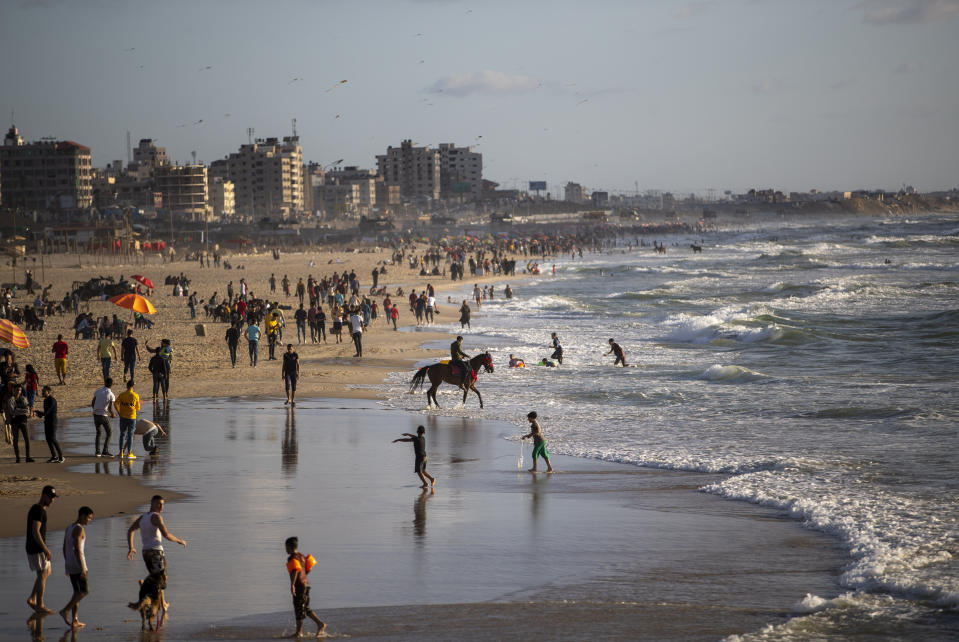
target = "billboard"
x: 537, y: 186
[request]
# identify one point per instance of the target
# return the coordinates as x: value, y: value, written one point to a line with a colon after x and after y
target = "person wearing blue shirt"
x: 253, y: 336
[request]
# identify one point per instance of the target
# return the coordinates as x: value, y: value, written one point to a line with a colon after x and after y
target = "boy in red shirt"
x: 298, y: 566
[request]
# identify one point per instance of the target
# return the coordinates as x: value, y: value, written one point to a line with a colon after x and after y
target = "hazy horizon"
x: 680, y: 96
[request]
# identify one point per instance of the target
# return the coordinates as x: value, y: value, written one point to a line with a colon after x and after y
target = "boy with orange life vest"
x: 298, y: 565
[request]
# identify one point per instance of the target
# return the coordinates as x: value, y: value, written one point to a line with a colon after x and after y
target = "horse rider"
x: 460, y: 358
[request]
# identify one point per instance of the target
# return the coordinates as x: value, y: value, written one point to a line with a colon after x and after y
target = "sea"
x: 812, y: 361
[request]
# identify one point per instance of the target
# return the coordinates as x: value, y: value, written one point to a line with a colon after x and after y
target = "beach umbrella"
x: 142, y: 280
x: 12, y: 334
x: 134, y: 302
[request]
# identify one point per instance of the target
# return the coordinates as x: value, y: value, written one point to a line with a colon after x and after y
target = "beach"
x: 201, y: 365
x: 594, y: 550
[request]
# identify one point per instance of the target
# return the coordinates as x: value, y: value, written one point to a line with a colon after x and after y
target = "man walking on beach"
x: 618, y: 351
x: 102, y: 404
x: 152, y: 531
x: 104, y: 349
x: 232, y: 341
x: 356, y: 329
x: 127, y: 403
x: 75, y: 563
x: 419, y: 452
x: 290, y: 373
x: 253, y: 338
x: 38, y: 555
x: 300, y: 317
x: 130, y: 352
x: 60, y: 351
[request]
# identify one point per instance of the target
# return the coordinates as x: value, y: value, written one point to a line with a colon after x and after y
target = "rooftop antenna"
x: 249, y: 134
x: 294, y: 128
x: 129, y: 149
x: 193, y: 153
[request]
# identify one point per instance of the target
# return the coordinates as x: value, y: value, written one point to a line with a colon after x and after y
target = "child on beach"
x: 539, y: 443
x: 298, y: 565
x: 419, y: 450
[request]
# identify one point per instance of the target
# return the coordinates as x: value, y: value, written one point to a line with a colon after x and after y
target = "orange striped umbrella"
x: 10, y: 333
x: 134, y: 302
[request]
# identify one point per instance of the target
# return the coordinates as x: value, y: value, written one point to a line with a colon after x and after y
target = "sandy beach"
x: 201, y: 363
x: 596, y: 550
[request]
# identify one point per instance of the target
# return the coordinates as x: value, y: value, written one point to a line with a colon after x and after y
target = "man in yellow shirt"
x: 127, y: 404
x: 104, y: 349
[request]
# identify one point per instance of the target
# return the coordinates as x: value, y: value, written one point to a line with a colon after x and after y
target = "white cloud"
x: 483, y: 82
x: 907, y: 11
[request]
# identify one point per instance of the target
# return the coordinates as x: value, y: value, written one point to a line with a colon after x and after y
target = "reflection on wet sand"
x: 290, y: 448
x: 419, y: 512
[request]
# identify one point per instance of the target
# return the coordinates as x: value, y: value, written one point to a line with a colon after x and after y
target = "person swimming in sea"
x: 515, y: 362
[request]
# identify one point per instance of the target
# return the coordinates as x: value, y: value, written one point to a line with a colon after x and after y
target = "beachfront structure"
x: 222, y: 198
x: 575, y: 193
x: 45, y: 174
x: 364, y: 179
x: 267, y: 177
x: 184, y: 190
x: 461, y: 172
x: 416, y: 170
x: 337, y: 200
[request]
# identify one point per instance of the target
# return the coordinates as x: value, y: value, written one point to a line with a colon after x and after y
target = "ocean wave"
x: 731, y: 374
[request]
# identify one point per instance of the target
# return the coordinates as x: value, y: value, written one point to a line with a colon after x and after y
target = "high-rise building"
x: 461, y: 172
x: 364, y: 179
x: 184, y: 190
x: 415, y: 169
x: 222, y: 198
x: 575, y: 193
x: 267, y: 177
x: 44, y: 174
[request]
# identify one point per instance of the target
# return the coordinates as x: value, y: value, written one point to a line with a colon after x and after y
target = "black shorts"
x: 79, y: 583
x: 301, y: 602
x: 290, y: 382
x: 419, y: 466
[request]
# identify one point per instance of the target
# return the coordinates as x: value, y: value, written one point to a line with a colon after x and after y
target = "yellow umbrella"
x: 134, y: 302
x: 10, y: 333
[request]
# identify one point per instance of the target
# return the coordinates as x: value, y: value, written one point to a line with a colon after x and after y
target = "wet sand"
x: 201, y: 366
x: 597, y: 550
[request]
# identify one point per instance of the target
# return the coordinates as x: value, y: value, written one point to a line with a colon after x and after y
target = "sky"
x: 685, y: 96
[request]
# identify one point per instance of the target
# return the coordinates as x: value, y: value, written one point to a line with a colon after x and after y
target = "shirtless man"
x: 618, y: 351
x: 152, y: 527
x: 74, y: 538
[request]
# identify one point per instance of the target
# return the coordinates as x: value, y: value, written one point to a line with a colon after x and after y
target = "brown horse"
x: 440, y: 372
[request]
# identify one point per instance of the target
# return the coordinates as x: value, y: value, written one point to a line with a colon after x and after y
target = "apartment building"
x: 416, y: 170
x: 222, y: 198
x: 184, y: 190
x: 267, y: 177
x: 461, y: 172
x: 364, y: 179
x: 45, y: 175
x: 575, y: 193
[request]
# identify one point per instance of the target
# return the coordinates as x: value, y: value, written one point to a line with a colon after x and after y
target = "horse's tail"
x: 418, y: 379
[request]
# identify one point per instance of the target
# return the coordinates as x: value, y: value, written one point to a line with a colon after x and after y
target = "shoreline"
x: 669, y: 563
x: 201, y: 363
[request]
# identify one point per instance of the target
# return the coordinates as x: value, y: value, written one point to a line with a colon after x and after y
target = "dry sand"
x: 201, y: 363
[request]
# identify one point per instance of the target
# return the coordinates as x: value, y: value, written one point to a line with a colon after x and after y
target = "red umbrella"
x: 139, y: 278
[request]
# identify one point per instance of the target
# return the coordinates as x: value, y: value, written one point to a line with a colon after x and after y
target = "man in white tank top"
x: 152, y: 531
x: 75, y: 563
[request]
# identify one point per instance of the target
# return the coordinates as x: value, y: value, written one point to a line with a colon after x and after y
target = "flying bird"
x: 198, y: 122
x: 335, y: 85
x: 294, y: 80
x: 130, y: 49
x: 205, y: 68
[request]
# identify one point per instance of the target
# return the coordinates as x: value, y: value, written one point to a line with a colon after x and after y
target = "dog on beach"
x: 150, y: 601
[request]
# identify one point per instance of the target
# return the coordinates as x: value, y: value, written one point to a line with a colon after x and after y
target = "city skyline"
x: 659, y: 95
